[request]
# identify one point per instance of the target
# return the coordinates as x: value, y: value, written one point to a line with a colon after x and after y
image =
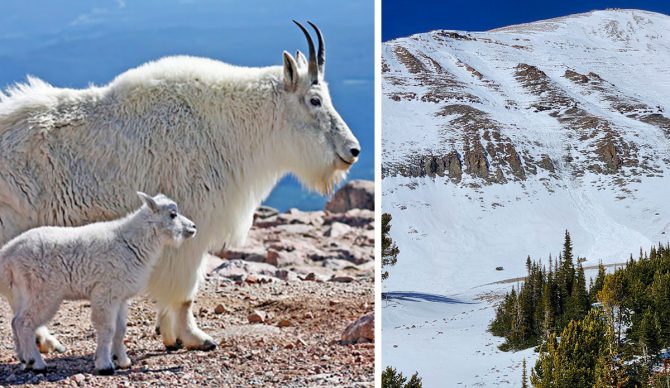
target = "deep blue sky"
x: 78, y: 42
x: 402, y: 17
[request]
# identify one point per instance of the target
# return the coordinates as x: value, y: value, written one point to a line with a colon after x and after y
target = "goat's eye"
x: 173, y: 215
x: 315, y: 101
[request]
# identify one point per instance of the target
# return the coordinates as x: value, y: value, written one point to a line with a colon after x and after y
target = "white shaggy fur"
x: 105, y: 262
x: 213, y: 136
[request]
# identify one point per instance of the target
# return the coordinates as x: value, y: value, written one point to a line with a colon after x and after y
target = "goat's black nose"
x: 355, y: 152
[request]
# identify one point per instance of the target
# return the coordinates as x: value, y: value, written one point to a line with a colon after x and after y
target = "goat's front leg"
x: 190, y: 335
x: 31, y: 313
x: 104, y: 314
x: 120, y: 358
x: 23, y: 326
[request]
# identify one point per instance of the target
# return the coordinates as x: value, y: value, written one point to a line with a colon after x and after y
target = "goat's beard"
x: 324, y: 182
x: 176, y: 240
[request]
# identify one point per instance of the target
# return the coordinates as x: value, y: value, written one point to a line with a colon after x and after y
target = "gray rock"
x: 284, y: 258
x: 295, y: 216
x: 357, y: 194
x: 337, y: 229
x: 361, y: 330
x: 341, y: 279
x: 354, y: 217
x: 238, y: 270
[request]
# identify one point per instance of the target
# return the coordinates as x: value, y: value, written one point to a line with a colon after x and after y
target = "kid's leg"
x: 120, y: 357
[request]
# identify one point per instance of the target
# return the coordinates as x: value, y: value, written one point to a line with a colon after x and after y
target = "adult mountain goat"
x: 212, y: 136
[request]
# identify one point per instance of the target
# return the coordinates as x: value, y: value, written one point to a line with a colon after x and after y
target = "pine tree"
x: 567, y: 247
x: 524, y: 377
x: 613, y: 296
x: 578, y: 302
x: 502, y: 323
x: 392, y: 379
x: 549, y: 310
x: 565, y: 278
x: 660, y: 295
x: 414, y: 381
x: 597, y: 284
x: 610, y: 370
x: 390, y: 250
x: 571, y: 361
x: 648, y: 333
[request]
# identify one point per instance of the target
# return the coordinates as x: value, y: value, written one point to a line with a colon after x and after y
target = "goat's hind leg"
x: 46, y: 342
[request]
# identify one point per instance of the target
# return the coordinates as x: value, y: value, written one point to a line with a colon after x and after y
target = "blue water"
x: 75, y: 43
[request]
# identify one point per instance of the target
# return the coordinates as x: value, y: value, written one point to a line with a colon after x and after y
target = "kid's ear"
x: 290, y: 73
x: 148, y: 201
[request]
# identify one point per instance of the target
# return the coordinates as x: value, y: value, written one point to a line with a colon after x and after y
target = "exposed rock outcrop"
x: 356, y: 194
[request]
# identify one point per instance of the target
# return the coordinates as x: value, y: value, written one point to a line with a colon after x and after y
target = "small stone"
x: 219, y: 309
x: 333, y: 302
x: 310, y: 277
x: 79, y: 378
x: 289, y: 346
x: 286, y: 275
x: 342, y: 279
x: 337, y: 229
x: 300, y: 343
x: 258, y: 316
x: 284, y: 323
x: 252, y: 279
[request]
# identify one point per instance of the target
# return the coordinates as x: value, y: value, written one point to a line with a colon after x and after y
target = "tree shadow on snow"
x: 410, y: 296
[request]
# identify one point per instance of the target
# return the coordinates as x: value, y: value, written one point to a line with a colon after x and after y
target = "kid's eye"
x: 315, y: 101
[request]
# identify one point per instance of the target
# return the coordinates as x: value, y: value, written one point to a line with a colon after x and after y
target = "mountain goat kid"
x: 105, y: 262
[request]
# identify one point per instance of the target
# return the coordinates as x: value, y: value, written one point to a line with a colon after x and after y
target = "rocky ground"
x: 291, y: 308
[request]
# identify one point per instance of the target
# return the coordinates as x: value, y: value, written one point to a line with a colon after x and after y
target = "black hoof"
x: 176, y: 346
x: 106, y: 372
x: 158, y: 330
x: 39, y: 371
x: 208, y: 346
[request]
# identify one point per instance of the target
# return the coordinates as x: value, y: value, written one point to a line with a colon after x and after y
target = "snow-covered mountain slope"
x: 494, y: 143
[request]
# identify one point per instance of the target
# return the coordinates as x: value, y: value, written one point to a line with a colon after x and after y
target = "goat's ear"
x: 290, y: 73
x: 300, y: 59
x: 149, y: 201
